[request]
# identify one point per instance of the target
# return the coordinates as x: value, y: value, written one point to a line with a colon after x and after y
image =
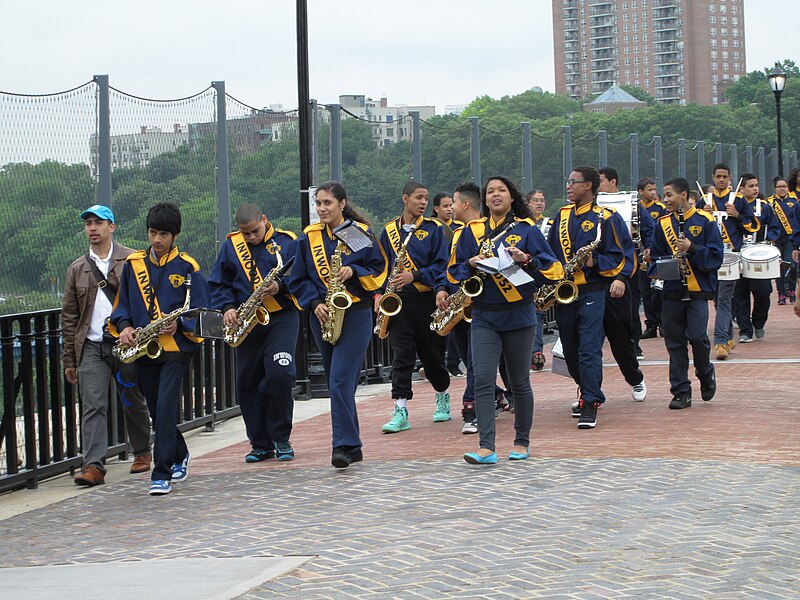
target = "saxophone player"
x: 503, y: 315
x: 685, y: 322
x: 153, y: 284
x: 606, y: 271
x: 362, y: 273
x: 265, y: 367
x: 415, y: 282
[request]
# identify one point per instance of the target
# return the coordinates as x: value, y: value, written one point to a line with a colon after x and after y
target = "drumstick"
x: 731, y: 199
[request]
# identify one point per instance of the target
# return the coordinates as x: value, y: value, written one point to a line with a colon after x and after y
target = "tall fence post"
x: 603, y: 143
x: 416, y: 147
x: 634, y: 160
x: 566, y: 132
x: 659, y: 164
x: 682, y: 158
x: 748, y: 158
x: 734, y: 162
x: 701, y: 161
x: 223, y: 177
x: 762, y: 167
x: 793, y: 162
x: 336, y: 141
x: 718, y: 152
x: 103, y: 141
x: 785, y: 158
x: 475, y: 150
x: 312, y: 118
x: 775, y: 159
x: 527, y: 158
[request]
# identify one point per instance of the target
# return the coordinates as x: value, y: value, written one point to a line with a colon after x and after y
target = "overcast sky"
x: 413, y: 51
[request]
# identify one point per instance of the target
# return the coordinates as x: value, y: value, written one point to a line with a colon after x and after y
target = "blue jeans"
x: 723, y: 323
x: 684, y: 324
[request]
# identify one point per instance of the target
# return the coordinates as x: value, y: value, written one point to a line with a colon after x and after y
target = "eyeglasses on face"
x: 574, y: 181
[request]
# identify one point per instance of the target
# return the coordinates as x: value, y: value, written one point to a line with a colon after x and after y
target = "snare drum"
x: 730, y: 270
x: 761, y: 261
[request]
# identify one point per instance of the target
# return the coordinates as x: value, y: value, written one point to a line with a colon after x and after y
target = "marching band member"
x: 783, y: 206
x: 735, y: 219
x: 362, y: 272
x: 768, y: 231
x: 503, y: 316
x: 415, y: 282
x: 536, y: 205
x: 265, y: 367
x: 155, y: 283
x: 694, y: 237
x: 606, y: 269
x: 650, y: 210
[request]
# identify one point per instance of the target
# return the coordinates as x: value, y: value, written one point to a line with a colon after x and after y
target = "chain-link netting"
x: 548, y: 168
x: 501, y: 153
x: 586, y: 151
x: 445, y: 145
x: 619, y: 157
x: 45, y: 181
x: 374, y: 170
x: 164, y: 151
x: 264, y: 155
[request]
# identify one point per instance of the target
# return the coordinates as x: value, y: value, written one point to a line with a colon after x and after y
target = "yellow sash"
x: 321, y: 264
x: 510, y: 293
x: 393, y: 231
x: 146, y: 290
x: 247, y: 261
x: 776, y: 206
x: 672, y: 241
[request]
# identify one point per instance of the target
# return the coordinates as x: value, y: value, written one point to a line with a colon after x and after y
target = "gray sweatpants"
x: 96, y: 385
x: 516, y: 347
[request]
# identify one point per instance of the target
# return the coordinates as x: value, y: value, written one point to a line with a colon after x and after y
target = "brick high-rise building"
x: 679, y: 51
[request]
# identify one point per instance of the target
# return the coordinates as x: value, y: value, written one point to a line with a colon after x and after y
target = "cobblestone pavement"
x: 696, y: 503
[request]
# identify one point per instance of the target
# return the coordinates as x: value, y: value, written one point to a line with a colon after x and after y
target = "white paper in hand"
x: 505, y: 265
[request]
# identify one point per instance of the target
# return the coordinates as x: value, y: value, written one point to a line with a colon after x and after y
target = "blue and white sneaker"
x: 180, y: 471
x: 284, y: 451
x: 159, y: 487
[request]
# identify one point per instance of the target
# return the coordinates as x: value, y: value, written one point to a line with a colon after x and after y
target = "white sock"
x: 401, y: 403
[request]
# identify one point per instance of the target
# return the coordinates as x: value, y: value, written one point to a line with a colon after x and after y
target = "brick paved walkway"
x: 687, y: 504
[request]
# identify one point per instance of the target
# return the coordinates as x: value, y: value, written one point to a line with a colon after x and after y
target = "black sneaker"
x: 708, y: 386
x: 284, y: 451
x: 500, y: 402
x: 354, y: 453
x: 588, y: 417
x: 681, y: 401
x: 339, y: 458
x: 576, y: 409
x: 456, y: 372
x: 255, y: 455
x: 649, y: 333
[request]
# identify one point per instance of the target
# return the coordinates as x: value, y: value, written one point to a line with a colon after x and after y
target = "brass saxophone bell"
x: 341, y: 300
x: 390, y: 304
x: 566, y: 292
x: 262, y: 315
x: 473, y: 286
x: 152, y: 349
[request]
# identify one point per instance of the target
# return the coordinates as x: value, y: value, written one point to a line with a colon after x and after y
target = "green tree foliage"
x: 41, y: 233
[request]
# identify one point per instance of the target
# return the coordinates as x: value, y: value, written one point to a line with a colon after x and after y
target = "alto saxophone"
x: 390, y: 303
x: 458, y: 304
x: 564, y: 291
x: 337, y: 300
x: 147, y: 342
x: 252, y: 311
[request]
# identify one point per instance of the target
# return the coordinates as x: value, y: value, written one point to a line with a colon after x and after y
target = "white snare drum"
x: 761, y: 261
x: 729, y: 271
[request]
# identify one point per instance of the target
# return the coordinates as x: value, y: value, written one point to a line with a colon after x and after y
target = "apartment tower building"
x: 679, y: 51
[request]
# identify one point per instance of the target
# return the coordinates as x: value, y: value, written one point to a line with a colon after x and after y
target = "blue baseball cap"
x: 99, y: 210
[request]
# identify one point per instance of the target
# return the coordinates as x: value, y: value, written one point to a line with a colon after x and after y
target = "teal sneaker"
x: 398, y: 422
x: 442, y: 412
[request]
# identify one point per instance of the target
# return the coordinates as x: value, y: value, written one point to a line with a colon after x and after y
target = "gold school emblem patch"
x: 177, y: 280
x: 790, y: 204
x: 654, y: 214
x: 513, y: 239
x: 695, y: 230
x: 420, y: 234
x: 587, y: 225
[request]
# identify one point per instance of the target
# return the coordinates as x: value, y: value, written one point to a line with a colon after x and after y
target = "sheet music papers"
x: 352, y: 235
x: 505, y: 266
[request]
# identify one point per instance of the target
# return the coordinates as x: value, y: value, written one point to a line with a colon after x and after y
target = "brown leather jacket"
x: 80, y: 292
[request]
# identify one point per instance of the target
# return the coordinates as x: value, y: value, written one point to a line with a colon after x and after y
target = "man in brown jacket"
x: 92, y: 281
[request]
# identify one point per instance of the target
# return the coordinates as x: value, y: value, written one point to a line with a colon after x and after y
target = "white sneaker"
x: 639, y: 392
x: 470, y: 426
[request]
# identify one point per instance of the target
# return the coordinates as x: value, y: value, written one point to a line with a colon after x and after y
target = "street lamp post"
x: 777, y: 79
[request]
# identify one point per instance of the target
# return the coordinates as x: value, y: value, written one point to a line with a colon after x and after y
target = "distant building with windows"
x: 390, y: 124
x: 138, y: 149
x: 679, y: 51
